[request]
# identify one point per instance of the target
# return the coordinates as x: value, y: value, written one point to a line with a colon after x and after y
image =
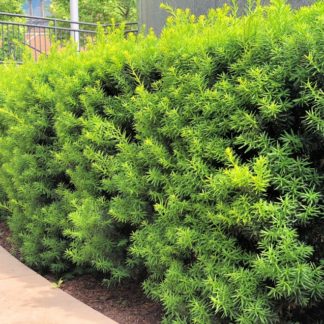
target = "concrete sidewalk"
x: 28, y: 298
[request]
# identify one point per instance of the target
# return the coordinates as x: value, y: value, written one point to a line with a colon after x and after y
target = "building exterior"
x: 152, y: 16
x: 37, y: 8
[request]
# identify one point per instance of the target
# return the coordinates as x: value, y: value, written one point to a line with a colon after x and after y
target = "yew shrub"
x: 192, y: 163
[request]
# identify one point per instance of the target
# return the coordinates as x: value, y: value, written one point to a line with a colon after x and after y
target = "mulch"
x: 125, y: 304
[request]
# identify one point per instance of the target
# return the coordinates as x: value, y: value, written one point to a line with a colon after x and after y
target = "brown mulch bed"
x: 124, y: 304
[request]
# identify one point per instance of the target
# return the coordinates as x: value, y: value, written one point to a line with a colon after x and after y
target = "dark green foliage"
x: 197, y: 157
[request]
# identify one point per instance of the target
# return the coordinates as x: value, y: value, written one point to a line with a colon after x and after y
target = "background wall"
x: 152, y: 16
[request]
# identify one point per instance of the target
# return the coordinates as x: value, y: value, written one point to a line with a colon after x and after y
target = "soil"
x: 124, y: 304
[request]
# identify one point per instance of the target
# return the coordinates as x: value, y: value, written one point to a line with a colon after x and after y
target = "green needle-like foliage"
x: 193, y: 162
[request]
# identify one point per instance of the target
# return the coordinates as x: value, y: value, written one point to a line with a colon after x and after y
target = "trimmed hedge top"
x: 193, y: 163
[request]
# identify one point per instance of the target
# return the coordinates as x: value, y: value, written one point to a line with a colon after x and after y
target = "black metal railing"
x: 18, y: 32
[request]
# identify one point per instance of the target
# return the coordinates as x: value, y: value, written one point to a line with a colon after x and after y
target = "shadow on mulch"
x: 5, y: 238
x: 124, y: 304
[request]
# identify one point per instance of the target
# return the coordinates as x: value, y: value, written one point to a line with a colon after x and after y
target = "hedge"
x: 192, y: 163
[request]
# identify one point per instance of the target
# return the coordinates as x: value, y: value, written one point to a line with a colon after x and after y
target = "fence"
x: 38, y: 34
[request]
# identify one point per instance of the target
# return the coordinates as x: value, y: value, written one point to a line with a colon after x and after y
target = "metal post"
x: 74, y: 10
